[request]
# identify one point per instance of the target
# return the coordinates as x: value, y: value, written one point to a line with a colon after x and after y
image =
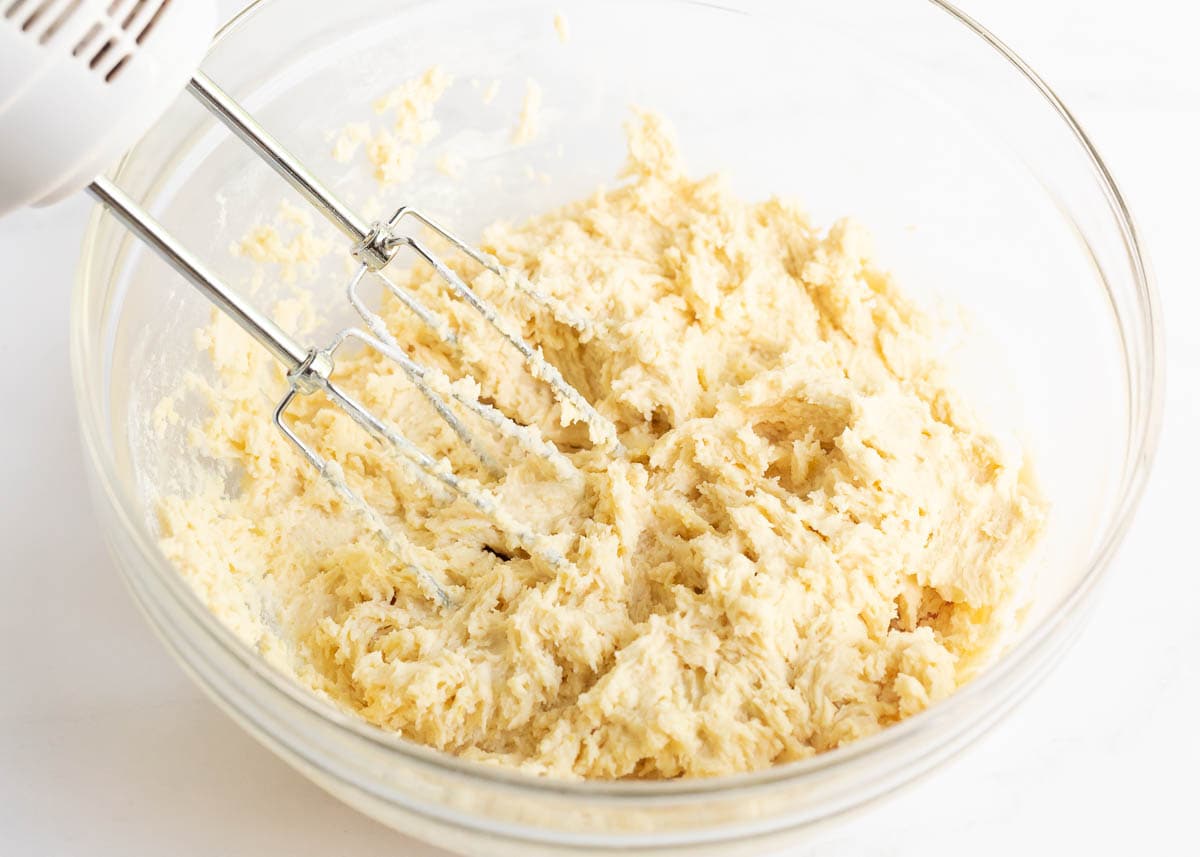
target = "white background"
x: 107, y: 749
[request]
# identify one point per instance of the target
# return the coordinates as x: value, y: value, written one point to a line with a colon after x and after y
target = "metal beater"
x: 310, y: 368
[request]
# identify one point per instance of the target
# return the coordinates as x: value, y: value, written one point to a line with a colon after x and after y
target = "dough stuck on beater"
x: 810, y: 538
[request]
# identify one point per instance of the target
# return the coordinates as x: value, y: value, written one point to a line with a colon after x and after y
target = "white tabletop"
x: 107, y: 749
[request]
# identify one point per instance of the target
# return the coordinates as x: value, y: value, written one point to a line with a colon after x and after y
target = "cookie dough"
x: 392, y: 149
x: 809, y: 539
x: 529, y: 123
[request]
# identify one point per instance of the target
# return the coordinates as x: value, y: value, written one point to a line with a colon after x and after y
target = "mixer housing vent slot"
x: 102, y: 34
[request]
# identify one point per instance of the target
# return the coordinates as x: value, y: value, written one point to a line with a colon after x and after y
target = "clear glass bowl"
x: 975, y: 180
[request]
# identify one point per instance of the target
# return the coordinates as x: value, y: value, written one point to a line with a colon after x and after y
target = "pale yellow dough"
x: 393, y: 150
x: 809, y: 539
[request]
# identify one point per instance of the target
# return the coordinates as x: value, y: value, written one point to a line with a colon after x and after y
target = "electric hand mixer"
x: 81, y: 80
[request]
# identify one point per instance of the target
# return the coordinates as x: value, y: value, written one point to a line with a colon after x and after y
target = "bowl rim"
x: 1144, y: 437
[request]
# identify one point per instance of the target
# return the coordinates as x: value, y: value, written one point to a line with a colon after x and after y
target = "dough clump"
x: 809, y: 539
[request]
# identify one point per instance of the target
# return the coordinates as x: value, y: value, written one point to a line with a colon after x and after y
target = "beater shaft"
x: 141, y: 223
x: 238, y: 120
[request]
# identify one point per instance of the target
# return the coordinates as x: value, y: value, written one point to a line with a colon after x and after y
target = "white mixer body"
x: 82, y: 80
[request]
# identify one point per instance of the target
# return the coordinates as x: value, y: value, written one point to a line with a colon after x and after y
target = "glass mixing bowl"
x: 980, y: 189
